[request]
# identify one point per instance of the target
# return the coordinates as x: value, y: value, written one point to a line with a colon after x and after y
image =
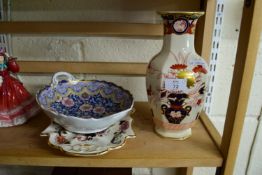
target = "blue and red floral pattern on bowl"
x: 85, y: 99
x: 84, y: 106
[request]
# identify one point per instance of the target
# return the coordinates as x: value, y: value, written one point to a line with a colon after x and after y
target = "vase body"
x: 176, y: 78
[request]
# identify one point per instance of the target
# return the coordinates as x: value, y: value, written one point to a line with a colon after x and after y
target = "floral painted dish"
x: 92, y: 144
x: 84, y: 106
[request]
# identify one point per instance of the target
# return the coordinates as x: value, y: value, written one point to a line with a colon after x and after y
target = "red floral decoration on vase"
x: 17, y: 105
x: 200, y: 68
x: 178, y: 66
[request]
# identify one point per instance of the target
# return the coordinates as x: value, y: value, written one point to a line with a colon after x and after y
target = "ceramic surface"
x: 84, y: 106
x: 176, y: 78
x: 17, y: 105
x: 89, y: 144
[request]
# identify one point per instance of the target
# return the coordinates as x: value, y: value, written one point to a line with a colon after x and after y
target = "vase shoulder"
x: 164, y: 60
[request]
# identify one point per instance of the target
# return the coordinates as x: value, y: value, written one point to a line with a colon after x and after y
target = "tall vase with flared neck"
x: 176, y: 78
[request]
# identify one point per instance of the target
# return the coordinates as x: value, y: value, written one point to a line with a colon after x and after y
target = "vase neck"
x: 179, y: 29
x: 178, y: 43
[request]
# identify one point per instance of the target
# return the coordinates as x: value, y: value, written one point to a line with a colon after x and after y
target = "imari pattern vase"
x: 176, y: 78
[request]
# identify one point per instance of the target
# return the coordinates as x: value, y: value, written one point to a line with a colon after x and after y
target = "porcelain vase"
x: 176, y: 78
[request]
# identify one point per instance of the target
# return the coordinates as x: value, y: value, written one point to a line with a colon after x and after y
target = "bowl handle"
x: 56, y: 78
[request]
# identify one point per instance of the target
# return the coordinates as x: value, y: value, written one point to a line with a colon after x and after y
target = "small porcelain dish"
x: 84, y: 106
x: 92, y: 144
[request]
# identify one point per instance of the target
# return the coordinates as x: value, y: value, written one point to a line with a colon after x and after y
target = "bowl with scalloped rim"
x: 84, y: 106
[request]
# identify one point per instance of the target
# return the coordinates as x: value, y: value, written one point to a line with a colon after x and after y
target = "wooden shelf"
x: 22, y: 145
x: 82, y: 28
x: 110, y: 68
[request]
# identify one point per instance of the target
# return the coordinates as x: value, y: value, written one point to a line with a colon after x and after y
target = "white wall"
x: 137, y: 50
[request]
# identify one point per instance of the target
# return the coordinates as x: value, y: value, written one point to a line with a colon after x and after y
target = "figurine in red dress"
x: 16, y: 103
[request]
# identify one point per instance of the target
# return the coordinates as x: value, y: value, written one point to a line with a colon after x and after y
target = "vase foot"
x: 177, y: 135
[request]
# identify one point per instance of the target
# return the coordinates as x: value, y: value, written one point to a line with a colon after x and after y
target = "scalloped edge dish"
x: 93, y: 144
x: 60, y: 89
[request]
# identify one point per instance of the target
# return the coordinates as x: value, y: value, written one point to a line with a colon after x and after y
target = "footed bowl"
x: 84, y: 106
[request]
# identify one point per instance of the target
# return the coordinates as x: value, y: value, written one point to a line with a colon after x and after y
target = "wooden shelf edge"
x: 83, y: 28
x: 200, y: 150
x: 116, y: 163
x: 111, y: 68
x: 211, y: 129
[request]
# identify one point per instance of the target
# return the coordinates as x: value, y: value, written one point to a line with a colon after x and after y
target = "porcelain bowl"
x: 84, y: 106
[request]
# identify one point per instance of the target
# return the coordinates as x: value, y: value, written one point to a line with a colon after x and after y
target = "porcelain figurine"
x: 176, y: 78
x: 16, y: 103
